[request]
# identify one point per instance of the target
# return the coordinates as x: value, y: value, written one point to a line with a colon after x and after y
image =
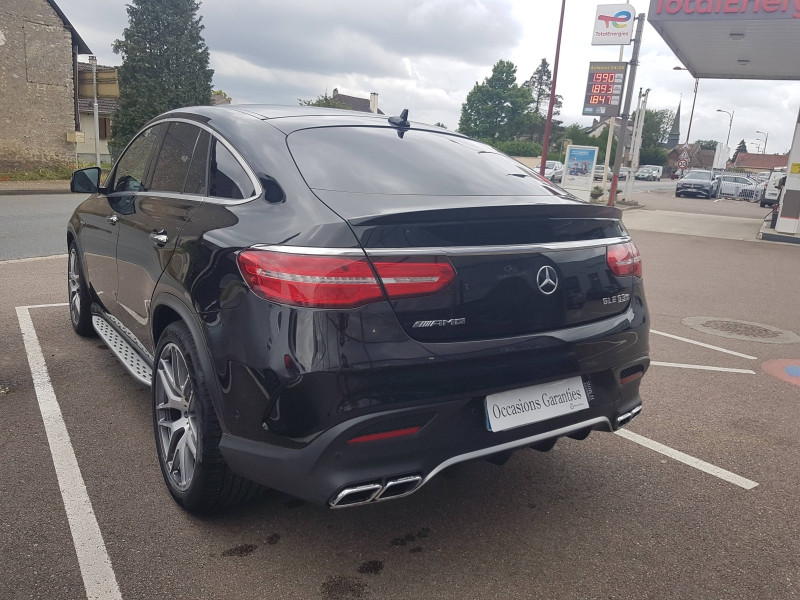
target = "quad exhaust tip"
x: 627, y: 417
x: 375, y: 492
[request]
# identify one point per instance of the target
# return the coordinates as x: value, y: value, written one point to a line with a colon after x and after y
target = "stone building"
x: 38, y: 70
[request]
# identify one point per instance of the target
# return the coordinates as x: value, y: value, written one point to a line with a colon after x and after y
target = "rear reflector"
x: 338, y: 282
x: 624, y: 260
x: 384, y: 435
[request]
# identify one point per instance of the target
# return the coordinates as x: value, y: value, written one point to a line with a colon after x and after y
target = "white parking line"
x: 99, y: 580
x: 23, y: 260
x: 717, y: 348
x: 702, y: 367
x: 688, y: 460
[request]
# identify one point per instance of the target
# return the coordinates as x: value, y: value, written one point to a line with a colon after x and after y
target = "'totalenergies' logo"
x: 618, y: 20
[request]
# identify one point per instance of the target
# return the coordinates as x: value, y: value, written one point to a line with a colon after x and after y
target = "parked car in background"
x: 558, y: 175
x: 340, y: 305
x: 772, y: 192
x: 624, y: 172
x: 730, y: 184
x: 697, y: 182
x: 599, y: 170
x: 645, y: 173
x: 754, y: 192
x: 550, y: 167
x: 656, y: 170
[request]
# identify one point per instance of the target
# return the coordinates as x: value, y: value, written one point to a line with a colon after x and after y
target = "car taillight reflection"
x: 339, y: 282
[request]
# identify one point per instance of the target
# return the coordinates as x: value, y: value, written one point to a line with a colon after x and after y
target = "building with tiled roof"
x: 755, y: 163
x: 360, y: 104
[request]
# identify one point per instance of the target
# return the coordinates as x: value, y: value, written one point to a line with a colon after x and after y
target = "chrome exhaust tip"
x: 396, y: 487
x: 627, y: 417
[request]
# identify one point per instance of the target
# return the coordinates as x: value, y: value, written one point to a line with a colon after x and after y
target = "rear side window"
x: 198, y: 171
x: 133, y: 165
x: 172, y: 165
x: 376, y: 160
x: 226, y: 177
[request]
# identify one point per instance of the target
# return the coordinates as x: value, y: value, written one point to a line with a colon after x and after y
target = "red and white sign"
x: 683, y: 163
x: 613, y: 25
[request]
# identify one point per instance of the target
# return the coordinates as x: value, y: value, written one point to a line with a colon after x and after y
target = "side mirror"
x: 85, y: 181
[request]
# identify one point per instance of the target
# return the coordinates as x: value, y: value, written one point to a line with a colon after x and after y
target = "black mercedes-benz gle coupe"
x: 340, y: 305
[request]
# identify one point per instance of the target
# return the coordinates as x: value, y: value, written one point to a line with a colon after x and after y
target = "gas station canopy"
x: 732, y: 39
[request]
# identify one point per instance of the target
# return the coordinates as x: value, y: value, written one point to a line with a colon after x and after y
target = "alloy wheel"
x: 74, y: 284
x: 176, y: 416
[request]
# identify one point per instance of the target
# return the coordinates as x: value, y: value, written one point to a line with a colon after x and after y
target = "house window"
x: 105, y: 128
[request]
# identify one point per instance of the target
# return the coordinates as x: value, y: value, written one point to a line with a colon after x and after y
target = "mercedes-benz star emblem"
x: 547, y: 280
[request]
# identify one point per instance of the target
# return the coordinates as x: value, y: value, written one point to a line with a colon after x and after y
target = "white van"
x: 772, y: 193
x: 657, y: 171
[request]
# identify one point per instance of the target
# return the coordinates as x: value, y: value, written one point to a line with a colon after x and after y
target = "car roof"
x: 292, y: 118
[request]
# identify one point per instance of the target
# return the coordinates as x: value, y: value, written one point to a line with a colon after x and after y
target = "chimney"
x: 373, y: 103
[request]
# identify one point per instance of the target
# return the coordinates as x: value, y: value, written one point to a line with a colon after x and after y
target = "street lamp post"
x: 730, y: 124
x: 93, y: 62
x: 694, y: 100
x: 766, y: 137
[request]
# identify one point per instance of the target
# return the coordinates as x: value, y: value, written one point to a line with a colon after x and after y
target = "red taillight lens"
x: 337, y: 282
x: 624, y: 260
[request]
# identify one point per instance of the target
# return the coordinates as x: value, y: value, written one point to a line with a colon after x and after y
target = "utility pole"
x: 637, y: 42
x: 546, y: 140
x: 636, y: 144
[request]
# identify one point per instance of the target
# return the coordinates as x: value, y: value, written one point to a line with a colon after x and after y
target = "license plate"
x: 535, y: 403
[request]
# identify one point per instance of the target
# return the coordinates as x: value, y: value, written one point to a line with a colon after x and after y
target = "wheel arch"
x: 168, y: 309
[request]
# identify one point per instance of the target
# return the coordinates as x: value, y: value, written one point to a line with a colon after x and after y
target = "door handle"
x: 159, y: 237
x: 112, y: 219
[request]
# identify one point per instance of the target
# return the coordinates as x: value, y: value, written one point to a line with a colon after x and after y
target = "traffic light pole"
x: 637, y: 42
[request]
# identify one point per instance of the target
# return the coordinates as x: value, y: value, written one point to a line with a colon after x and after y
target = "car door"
x: 100, y: 231
x: 150, y: 230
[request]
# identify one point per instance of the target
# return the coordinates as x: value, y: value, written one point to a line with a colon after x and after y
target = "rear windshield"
x: 698, y: 175
x: 376, y: 160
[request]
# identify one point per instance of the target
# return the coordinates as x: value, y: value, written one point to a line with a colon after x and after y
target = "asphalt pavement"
x: 699, y: 499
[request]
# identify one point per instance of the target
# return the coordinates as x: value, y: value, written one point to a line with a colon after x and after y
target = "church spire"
x: 674, y: 137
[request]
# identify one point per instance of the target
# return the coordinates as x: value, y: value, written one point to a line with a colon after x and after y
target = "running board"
x: 130, y: 359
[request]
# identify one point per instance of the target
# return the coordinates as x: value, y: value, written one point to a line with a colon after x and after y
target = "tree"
x: 324, y: 101
x: 496, y: 108
x: 541, y: 84
x: 656, y: 128
x: 164, y: 65
x: 742, y: 147
x: 706, y: 144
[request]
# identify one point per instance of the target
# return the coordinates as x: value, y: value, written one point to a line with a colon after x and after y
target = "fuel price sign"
x: 604, y: 89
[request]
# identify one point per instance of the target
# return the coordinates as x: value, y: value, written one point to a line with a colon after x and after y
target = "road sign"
x: 684, y: 153
x: 604, y: 89
x: 683, y: 163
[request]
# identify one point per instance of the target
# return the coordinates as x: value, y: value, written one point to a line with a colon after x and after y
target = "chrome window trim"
x: 449, y: 251
x: 242, y: 162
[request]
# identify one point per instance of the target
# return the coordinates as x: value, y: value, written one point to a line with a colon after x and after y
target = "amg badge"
x: 440, y: 323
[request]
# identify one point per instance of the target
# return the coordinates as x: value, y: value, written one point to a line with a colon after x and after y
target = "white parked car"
x: 731, y: 185
x: 550, y: 168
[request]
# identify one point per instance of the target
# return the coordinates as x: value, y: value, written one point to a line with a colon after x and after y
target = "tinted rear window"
x: 376, y: 160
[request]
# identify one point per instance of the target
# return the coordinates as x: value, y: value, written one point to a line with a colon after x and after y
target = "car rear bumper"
x: 330, y: 470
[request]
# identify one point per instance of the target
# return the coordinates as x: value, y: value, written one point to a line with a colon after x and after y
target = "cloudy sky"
x: 426, y: 55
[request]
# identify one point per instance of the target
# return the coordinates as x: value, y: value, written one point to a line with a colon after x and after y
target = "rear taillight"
x: 339, y: 282
x: 624, y: 260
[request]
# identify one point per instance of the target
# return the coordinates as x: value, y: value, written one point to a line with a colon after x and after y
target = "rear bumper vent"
x: 627, y: 417
x: 629, y: 374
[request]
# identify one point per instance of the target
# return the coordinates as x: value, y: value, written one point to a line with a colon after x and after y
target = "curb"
x: 33, y: 192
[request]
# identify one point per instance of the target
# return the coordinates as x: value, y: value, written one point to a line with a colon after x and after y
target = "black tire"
x: 201, y: 482
x: 80, y: 302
